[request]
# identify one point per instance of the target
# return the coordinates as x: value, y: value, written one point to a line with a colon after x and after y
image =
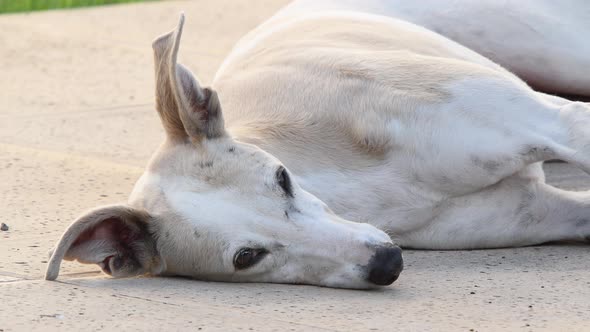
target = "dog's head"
x: 213, y: 208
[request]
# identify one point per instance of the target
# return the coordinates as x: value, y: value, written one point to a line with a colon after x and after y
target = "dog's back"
x: 314, y: 85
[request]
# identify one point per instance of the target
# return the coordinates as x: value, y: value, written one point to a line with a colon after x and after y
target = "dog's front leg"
x: 517, y: 211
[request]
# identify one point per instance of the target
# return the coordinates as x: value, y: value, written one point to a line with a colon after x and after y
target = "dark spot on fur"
x: 206, y: 164
x: 582, y: 223
x: 536, y: 151
x: 524, y: 209
x: 196, y: 234
x: 444, y: 180
x: 532, y: 151
x: 290, y: 209
x: 416, y: 178
x: 231, y: 150
x: 490, y: 166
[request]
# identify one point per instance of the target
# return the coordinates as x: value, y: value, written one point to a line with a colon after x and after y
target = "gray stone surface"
x: 77, y: 124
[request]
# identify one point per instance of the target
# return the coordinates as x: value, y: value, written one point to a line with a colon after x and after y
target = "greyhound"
x: 329, y: 140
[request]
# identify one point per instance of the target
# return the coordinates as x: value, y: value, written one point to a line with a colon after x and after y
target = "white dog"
x: 337, y: 133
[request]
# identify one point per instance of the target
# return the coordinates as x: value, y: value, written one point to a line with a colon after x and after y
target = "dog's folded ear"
x: 187, y: 110
x: 115, y: 237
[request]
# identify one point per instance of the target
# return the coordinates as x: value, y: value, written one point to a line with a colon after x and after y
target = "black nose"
x: 386, y: 265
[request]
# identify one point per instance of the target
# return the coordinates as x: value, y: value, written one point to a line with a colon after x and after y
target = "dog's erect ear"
x: 116, y: 237
x: 187, y: 110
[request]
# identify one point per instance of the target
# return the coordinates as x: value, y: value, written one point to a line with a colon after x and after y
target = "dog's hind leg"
x: 518, y: 211
x: 480, y: 165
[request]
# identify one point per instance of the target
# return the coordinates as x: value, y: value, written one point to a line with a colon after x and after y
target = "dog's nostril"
x: 386, y: 265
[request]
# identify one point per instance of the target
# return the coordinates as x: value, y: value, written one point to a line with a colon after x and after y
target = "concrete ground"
x: 77, y: 123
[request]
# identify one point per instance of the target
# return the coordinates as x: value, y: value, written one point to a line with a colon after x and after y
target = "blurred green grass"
x: 12, y: 6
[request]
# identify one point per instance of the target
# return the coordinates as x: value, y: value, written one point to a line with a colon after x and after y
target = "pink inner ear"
x: 110, y: 237
x: 117, y: 239
x: 110, y: 230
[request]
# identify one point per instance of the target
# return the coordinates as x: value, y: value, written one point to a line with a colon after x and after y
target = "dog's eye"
x: 284, y: 180
x: 247, y: 257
